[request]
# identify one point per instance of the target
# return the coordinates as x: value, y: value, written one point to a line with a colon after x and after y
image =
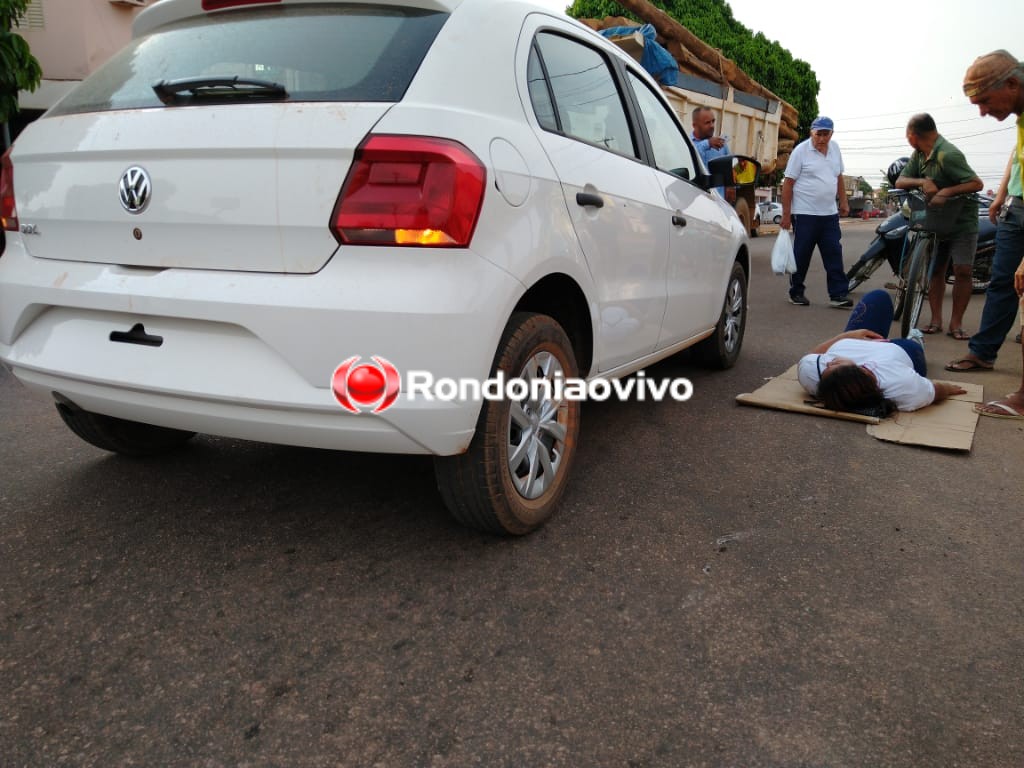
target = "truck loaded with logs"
x: 757, y: 122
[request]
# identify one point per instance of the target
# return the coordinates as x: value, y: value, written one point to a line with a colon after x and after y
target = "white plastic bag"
x: 783, y: 262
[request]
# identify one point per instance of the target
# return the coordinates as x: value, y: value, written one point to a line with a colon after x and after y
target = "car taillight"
x: 410, y: 190
x: 8, y: 212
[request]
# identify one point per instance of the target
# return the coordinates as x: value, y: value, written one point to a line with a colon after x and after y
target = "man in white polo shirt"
x: 813, y: 199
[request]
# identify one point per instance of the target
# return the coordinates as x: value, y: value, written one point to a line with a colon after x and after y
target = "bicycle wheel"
x: 900, y: 293
x: 899, y: 299
x: 862, y: 270
x: 917, y: 284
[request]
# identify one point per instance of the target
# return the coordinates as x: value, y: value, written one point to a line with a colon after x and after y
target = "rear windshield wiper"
x: 224, y: 89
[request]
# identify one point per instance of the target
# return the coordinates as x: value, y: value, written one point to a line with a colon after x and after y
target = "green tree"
x: 764, y: 60
x: 19, y: 69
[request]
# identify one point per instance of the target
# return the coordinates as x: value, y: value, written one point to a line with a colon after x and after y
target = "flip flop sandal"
x: 959, y: 334
x: 1010, y: 413
x: 932, y: 328
x: 966, y: 365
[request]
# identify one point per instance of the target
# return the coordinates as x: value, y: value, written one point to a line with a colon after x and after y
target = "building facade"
x: 71, y: 38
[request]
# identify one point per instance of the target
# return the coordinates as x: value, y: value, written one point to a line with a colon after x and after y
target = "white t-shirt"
x: 816, y: 178
x: 892, y: 367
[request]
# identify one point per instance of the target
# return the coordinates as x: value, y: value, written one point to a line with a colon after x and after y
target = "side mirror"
x: 733, y: 171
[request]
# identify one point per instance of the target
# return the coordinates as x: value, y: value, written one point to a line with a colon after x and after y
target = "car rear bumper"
x: 252, y: 356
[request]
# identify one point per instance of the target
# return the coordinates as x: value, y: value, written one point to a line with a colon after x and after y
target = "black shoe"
x: 841, y: 303
x: 800, y: 301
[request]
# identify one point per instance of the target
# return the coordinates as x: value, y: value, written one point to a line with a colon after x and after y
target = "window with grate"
x: 33, y: 18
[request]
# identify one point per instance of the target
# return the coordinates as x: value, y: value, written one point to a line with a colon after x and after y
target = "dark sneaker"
x: 800, y: 301
x: 841, y: 303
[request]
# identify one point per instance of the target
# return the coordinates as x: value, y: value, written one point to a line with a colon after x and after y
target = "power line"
x: 907, y: 112
x: 844, y: 148
x: 901, y: 127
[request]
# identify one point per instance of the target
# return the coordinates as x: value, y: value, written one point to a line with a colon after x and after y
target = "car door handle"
x: 678, y: 221
x: 589, y: 199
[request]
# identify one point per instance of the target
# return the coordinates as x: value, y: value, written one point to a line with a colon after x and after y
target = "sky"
x: 876, y: 68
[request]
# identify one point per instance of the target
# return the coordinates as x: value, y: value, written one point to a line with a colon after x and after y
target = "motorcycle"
x: 891, y: 234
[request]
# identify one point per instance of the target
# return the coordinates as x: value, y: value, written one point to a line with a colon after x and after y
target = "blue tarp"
x: 655, y: 59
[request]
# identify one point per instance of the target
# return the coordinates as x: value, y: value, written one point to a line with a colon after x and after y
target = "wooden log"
x: 690, y: 63
x: 790, y: 117
x: 695, y: 57
x: 785, y: 132
x: 670, y: 29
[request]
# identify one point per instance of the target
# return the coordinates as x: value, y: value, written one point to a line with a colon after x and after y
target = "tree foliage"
x: 764, y: 60
x: 19, y: 69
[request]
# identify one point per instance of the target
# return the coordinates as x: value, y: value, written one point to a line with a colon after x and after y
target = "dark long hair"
x: 851, y: 388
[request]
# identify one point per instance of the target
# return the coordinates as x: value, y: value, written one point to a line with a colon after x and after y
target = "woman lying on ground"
x: 862, y: 371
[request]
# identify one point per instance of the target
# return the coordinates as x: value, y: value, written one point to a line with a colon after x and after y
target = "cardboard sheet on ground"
x: 949, y: 424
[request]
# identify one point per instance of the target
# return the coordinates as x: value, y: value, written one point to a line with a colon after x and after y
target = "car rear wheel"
x: 743, y: 211
x: 516, y: 469
x: 130, y: 438
x: 722, y: 348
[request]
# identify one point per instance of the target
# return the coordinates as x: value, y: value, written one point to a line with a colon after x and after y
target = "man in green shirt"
x: 940, y: 171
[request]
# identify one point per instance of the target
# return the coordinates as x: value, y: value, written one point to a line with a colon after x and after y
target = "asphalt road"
x: 725, y: 586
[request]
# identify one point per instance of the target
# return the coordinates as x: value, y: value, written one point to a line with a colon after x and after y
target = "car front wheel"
x: 722, y: 348
x: 516, y: 469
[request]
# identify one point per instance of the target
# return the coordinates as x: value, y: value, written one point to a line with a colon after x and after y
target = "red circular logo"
x: 366, y: 385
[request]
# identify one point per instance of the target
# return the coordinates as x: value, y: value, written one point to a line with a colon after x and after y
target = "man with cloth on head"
x: 813, y: 183
x: 995, y: 84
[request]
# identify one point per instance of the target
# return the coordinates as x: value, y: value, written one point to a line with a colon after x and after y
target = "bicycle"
x: 927, y: 223
x: 890, y: 240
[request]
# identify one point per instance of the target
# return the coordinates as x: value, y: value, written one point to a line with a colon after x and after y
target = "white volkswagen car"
x: 260, y: 217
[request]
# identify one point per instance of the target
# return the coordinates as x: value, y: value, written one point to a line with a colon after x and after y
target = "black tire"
x: 129, y: 438
x: 862, y: 270
x: 722, y: 348
x: 743, y: 211
x: 481, y: 487
x: 917, y: 285
x: 777, y: 220
x: 981, y: 273
x: 900, y: 294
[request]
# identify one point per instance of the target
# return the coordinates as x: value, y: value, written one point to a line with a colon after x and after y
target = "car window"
x: 540, y: 94
x: 587, y: 104
x: 336, y: 53
x: 671, y: 149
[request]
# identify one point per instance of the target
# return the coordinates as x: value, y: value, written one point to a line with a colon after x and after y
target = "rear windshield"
x: 337, y: 53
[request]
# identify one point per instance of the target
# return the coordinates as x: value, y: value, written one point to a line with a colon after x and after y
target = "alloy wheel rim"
x: 537, y: 428
x: 733, y: 314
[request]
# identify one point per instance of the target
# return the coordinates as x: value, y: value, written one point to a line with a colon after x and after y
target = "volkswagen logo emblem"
x: 135, y: 189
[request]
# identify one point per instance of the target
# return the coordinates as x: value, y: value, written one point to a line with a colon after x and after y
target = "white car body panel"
x: 254, y: 184
x: 238, y: 271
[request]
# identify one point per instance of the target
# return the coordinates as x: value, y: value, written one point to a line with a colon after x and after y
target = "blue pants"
x: 874, y: 312
x: 1001, y: 300
x: 824, y: 232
